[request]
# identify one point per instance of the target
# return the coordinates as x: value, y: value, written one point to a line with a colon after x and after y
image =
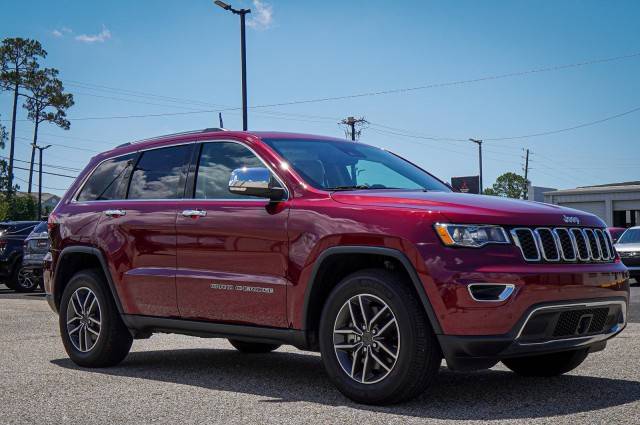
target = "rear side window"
x: 108, y: 181
x: 42, y: 227
x: 160, y: 173
x: 217, y: 161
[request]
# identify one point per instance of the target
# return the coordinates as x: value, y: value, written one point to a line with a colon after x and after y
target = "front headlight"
x: 470, y: 235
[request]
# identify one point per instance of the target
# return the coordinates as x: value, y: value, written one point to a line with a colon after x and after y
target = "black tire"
x: 418, y: 354
x: 9, y: 283
x: 253, y: 347
x: 21, y: 282
x: 547, y: 365
x: 114, y: 339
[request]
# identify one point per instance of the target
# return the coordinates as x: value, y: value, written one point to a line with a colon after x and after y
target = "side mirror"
x: 256, y: 182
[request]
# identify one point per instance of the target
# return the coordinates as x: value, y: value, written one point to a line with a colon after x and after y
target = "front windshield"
x: 336, y: 165
x: 630, y: 236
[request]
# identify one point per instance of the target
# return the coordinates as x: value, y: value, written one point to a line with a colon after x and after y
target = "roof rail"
x: 182, y: 133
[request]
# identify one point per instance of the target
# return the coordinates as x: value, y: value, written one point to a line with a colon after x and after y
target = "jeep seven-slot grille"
x: 562, y: 244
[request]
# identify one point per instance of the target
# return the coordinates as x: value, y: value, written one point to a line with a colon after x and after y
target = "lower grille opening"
x: 581, y: 322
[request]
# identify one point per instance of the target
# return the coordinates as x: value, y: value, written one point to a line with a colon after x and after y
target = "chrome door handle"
x: 194, y: 213
x: 115, y: 213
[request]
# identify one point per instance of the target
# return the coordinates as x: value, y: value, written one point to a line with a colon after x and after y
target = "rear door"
x: 232, y: 249
x: 137, y: 234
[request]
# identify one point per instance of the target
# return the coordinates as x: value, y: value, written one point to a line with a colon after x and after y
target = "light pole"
x: 40, y: 149
x: 479, y: 143
x: 243, y: 55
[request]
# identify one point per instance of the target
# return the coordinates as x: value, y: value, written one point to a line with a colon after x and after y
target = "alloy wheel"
x: 26, y: 279
x: 366, y: 338
x: 83, y: 319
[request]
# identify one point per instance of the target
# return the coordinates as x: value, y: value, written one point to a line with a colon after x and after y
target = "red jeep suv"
x: 328, y: 245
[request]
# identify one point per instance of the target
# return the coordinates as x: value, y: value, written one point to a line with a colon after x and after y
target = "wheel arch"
x: 315, y: 289
x: 67, y: 266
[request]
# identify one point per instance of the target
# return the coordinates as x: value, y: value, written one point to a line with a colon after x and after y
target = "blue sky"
x: 307, y: 50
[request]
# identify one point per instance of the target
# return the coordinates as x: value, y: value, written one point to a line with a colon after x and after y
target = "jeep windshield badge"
x: 571, y: 219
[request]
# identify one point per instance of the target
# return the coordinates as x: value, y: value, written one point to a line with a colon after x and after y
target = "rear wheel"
x: 253, y: 347
x: 24, y: 280
x: 92, y: 331
x: 547, y: 364
x: 377, y: 344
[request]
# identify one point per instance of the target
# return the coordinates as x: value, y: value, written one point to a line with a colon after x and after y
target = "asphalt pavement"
x: 179, y: 379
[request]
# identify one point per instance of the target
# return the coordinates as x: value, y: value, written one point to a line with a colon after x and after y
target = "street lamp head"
x: 223, y: 5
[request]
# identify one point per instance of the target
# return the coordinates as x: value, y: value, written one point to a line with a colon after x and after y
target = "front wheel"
x: 547, y: 364
x: 92, y: 331
x: 376, y: 341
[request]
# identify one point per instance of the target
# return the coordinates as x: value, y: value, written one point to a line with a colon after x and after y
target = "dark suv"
x: 12, y: 274
x: 327, y: 245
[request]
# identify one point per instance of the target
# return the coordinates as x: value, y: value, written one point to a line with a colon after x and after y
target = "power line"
x: 365, y: 94
x: 61, y: 145
x: 562, y: 130
x: 375, y: 93
x: 46, y: 172
x: 44, y: 187
x: 46, y: 165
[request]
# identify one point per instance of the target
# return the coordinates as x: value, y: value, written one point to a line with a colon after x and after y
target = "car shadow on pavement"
x: 290, y: 377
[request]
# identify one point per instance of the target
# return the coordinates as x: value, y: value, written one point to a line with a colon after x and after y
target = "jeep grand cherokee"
x: 327, y: 245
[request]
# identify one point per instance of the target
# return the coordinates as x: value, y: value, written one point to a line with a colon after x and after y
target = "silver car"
x: 628, y: 246
x: 35, y: 247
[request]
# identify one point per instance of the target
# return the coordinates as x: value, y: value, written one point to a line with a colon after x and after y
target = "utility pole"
x: 40, y: 149
x: 220, y: 119
x: 479, y: 143
x: 243, y: 55
x: 526, y: 175
x: 351, y: 123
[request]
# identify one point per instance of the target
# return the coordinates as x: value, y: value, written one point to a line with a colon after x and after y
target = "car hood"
x: 626, y: 247
x: 467, y: 208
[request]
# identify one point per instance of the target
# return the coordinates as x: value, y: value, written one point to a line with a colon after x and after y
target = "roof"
x: 210, y: 132
x: 633, y: 186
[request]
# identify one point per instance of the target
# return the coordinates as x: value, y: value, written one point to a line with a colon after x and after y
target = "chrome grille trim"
x: 602, y: 240
x: 596, y: 242
x: 516, y: 239
x: 538, y: 231
x: 597, y: 254
x: 557, y: 231
x: 579, y: 233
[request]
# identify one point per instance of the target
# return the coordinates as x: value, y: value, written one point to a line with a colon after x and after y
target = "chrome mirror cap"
x: 256, y: 181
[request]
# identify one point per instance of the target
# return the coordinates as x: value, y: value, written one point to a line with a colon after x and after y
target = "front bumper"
x: 545, y: 328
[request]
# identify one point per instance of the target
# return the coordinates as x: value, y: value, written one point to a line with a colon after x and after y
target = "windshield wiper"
x: 351, y: 187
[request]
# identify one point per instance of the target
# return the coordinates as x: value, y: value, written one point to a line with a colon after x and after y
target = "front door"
x: 232, y: 249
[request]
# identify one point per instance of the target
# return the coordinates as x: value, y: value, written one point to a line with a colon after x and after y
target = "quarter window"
x: 217, y: 161
x: 108, y: 181
x: 159, y: 173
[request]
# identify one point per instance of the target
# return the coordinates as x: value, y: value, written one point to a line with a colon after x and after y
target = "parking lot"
x: 179, y: 379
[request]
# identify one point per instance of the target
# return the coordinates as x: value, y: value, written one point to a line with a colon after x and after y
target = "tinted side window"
x: 159, y: 173
x: 108, y: 181
x: 217, y: 161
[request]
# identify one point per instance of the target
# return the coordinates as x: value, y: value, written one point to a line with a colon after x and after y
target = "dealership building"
x: 618, y: 204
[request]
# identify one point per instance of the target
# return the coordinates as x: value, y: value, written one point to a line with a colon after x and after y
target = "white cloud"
x: 101, y: 37
x: 261, y: 18
x: 61, y: 32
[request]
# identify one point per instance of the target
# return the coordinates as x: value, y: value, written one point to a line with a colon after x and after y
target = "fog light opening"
x: 491, y: 292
